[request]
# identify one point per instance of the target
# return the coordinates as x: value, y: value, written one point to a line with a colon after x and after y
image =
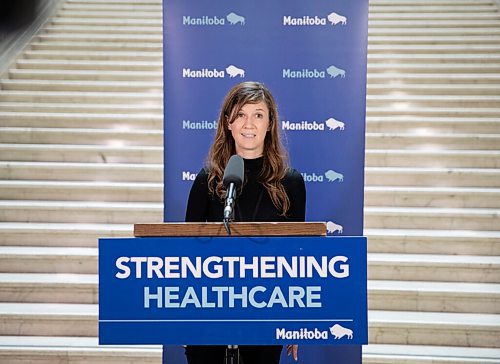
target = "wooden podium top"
x: 237, y: 229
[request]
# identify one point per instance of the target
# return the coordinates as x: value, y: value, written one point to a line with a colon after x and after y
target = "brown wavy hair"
x: 275, y: 163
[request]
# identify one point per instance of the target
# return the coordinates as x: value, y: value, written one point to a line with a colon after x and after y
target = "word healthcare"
x: 237, y: 269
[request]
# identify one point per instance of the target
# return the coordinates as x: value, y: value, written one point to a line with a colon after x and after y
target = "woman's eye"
x: 241, y: 115
x: 260, y: 116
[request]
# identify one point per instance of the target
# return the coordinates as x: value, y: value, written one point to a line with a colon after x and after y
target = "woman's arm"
x: 197, y: 206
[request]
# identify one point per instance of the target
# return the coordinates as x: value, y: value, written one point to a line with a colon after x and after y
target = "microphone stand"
x: 232, y: 355
x: 228, y: 209
x: 232, y: 351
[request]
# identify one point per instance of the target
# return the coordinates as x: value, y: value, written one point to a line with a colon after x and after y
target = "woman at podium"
x: 248, y: 126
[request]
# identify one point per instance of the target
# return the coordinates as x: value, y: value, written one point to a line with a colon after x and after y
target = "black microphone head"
x: 235, y: 171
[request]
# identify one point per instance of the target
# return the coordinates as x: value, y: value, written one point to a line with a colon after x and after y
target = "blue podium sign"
x: 240, y: 290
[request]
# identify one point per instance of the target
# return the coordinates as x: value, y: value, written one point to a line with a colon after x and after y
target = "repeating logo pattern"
x: 332, y: 18
x: 231, y: 18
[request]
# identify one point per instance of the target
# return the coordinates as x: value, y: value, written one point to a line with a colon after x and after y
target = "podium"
x: 266, y: 284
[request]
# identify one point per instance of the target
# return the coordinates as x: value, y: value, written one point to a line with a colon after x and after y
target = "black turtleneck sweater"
x: 253, y: 204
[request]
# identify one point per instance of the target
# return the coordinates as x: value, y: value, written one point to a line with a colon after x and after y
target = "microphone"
x: 233, y: 178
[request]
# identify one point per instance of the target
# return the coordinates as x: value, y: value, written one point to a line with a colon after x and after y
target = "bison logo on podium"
x: 339, y: 332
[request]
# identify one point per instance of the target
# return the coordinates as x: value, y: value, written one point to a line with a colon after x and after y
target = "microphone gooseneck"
x: 232, y: 180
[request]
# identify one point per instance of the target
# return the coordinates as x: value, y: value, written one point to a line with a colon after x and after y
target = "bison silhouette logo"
x: 339, y: 332
x: 332, y: 227
x: 233, y: 19
x: 333, y: 124
x: 332, y: 176
x: 234, y: 71
x: 335, y: 71
x: 335, y: 19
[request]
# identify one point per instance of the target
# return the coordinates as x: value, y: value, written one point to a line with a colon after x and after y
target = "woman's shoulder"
x: 293, y: 179
x: 293, y: 175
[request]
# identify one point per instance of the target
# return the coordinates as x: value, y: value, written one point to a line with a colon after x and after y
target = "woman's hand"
x: 294, y: 350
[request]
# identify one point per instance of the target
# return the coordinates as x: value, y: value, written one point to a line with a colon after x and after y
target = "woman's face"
x: 249, y: 130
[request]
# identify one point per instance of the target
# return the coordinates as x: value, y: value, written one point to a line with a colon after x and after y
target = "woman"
x: 248, y: 125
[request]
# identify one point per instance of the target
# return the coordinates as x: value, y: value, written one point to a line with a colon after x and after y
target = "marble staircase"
x: 432, y: 183
x: 81, y: 158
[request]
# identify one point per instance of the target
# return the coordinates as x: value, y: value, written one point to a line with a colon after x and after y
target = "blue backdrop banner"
x: 255, y: 291
x: 312, y: 56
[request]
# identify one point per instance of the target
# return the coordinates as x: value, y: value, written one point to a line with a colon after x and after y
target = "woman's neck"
x: 250, y: 154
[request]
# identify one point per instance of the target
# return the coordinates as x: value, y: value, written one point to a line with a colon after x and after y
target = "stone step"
x: 431, y: 158
x: 450, y: 8
x: 144, y: 2
x: 90, y: 55
x: 110, y: 21
x: 423, y: 354
x: 420, y: 3
x: 89, y: 108
x: 96, y: 46
x: 116, y: 38
x: 414, y: 241
x: 401, y: 108
x: 430, y: 140
x: 433, y: 78
x: 48, y: 319
x: 437, y: 31
x: 438, y: 49
x: 80, y: 136
x: 49, y: 350
x: 438, y: 177
x: 59, y: 234
x: 434, y: 268
x: 425, y: 196
x: 40, y: 97
x: 84, y: 75
x: 486, y: 89
x: 98, y: 14
x: 434, y: 296
x: 81, y: 153
x: 82, y: 120
x: 26, y: 259
x: 431, y: 328
x: 439, y: 218
x: 128, y: 8
x: 427, y: 125
x: 436, y: 101
x: 49, y: 288
x: 55, y: 171
x: 434, y: 23
x: 87, y: 86
x: 80, y: 211
x: 110, y: 29
x: 81, y: 191
x: 422, y: 15
x: 433, y: 40
x: 436, y: 59
x: 48, y: 64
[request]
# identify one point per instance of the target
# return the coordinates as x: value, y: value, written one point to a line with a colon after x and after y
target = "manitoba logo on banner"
x: 329, y: 176
x: 331, y: 71
x: 330, y: 124
x: 230, y: 19
x: 337, y: 331
x: 306, y: 20
x: 230, y: 71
